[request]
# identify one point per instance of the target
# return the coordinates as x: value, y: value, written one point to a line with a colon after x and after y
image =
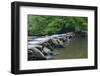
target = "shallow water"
x: 75, y: 49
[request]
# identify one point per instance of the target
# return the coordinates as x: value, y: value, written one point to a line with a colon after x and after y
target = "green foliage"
x: 48, y: 25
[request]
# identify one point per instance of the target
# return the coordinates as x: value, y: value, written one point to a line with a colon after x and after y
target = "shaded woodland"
x: 48, y: 25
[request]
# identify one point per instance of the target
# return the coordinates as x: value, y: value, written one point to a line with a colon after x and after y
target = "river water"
x: 75, y: 49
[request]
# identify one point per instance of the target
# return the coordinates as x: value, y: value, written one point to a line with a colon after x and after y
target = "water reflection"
x: 74, y: 49
x: 51, y: 48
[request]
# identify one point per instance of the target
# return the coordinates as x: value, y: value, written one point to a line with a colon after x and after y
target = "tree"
x: 48, y: 25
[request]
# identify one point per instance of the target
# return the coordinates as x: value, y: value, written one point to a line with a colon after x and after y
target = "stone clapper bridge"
x: 43, y: 48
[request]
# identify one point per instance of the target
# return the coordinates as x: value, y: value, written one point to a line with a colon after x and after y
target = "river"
x: 77, y: 48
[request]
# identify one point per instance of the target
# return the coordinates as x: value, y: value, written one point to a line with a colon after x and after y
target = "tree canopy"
x: 48, y: 25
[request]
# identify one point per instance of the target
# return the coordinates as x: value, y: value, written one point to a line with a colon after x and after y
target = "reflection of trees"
x: 47, y: 25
